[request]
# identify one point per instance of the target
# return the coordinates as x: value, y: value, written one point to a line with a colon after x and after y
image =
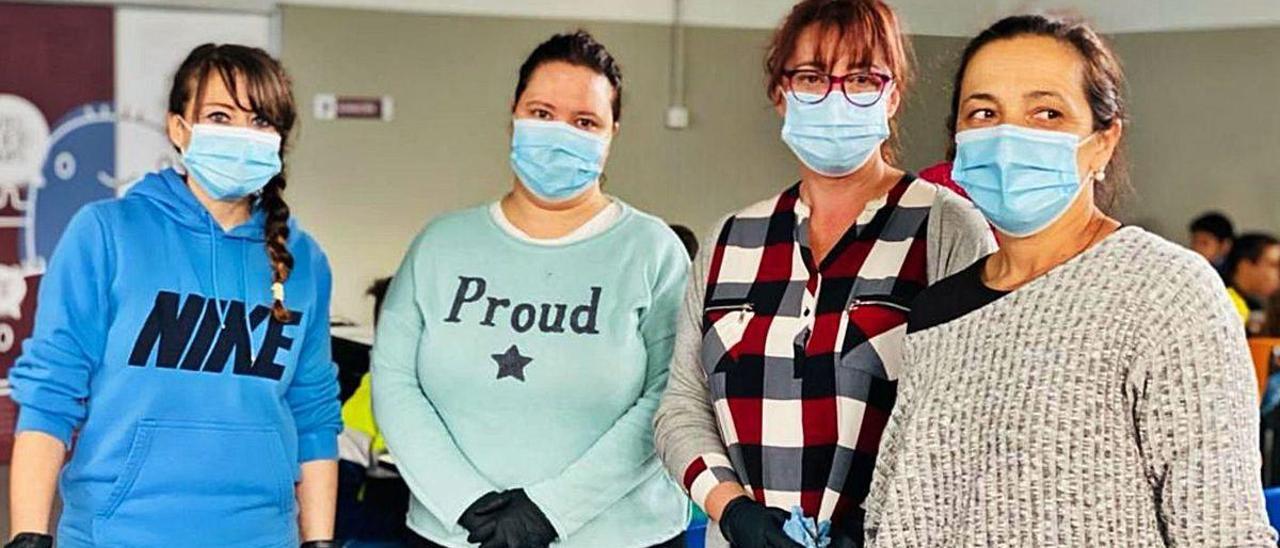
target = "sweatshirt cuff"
x: 543, y: 496
x: 31, y: 419
x: 318, y: 446
x: 705, y: 473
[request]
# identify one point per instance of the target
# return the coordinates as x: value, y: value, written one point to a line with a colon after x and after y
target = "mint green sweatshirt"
x: 502, y: 364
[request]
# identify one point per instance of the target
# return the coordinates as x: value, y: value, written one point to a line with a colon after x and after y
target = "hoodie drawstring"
x: 213, y: 252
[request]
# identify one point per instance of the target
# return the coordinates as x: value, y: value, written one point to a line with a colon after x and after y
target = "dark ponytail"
x: 578, y: 48
x: 270, y: 96
x: 1104, y: 85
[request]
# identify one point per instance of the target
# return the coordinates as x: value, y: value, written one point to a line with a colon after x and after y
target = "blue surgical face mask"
x: 230, y: 162
x: 1021, y: 179
x: 556, y: 161
x: 835, y: 137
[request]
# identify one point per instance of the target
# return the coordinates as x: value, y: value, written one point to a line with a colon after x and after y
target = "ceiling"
x: 933, y: 17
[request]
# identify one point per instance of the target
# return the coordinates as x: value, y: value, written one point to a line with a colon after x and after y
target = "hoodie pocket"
x: 201, y: 484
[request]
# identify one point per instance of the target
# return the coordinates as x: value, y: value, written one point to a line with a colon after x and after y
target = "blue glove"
x: 805, y: 531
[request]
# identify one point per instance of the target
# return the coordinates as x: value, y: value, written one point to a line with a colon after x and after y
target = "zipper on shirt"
x: 741, y: 309
x: 858, y: 303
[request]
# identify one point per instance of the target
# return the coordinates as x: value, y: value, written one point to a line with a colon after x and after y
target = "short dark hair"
x: 378, y: 290
x: 578, y: 48
x: 1214, y: 223
x: 1249, y: 247
x: 687, y: 237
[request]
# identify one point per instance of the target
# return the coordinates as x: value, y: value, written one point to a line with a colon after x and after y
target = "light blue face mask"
x: 230, y: 162
x: 556, y: 161
x: 1021, y: 179
x: 835, y: 137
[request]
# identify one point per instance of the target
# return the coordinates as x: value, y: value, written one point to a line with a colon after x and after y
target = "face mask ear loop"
x: 190, y: 133
x: 1093, y: 176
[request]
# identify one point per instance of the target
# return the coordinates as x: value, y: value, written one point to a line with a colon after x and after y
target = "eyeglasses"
x: 811, y: 86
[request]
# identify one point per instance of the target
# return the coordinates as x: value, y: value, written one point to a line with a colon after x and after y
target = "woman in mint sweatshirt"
x: 181, y: 343
x: 523, y: 345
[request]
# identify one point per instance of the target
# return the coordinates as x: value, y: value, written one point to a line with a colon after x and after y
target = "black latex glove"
x: 746, y: 523
x: 30, y: 540
x: 849, y: 534
x: 479, y: 517
x: 517, y: 524
x: 319, y: 544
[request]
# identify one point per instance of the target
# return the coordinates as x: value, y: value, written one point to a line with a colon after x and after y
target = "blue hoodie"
x: 192, y: 405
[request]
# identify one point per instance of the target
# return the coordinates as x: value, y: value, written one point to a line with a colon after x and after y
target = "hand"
x: 482, y: 513
x: 848, y: 534
x: 319, y: 544
x: 30, y: 540
x: 746, y: 523
x: 516, y: 523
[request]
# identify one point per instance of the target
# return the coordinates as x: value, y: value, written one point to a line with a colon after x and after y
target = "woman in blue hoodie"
x: 201, y: 401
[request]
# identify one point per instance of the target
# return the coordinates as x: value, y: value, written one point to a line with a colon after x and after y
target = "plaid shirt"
x: 802, y: 358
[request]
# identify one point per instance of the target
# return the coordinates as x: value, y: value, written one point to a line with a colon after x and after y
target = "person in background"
x: 351, y: 348
x: 182, y: 340
x: 790, y: 336
x: 1087, y: 384
x: 518, y: 363
x: 688, y: 238
x: 1252, y: 272
x: 372, y: 497
x: 1271, y: 327
x: 1212, y: 235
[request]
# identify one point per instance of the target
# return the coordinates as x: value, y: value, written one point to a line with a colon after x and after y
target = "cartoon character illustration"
x: 24, y: 138
x: 79, y: 168
x: 13, y: 289
x: 24, y: 141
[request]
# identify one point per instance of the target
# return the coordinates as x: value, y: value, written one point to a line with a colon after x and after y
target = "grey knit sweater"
x: 1110, y: 402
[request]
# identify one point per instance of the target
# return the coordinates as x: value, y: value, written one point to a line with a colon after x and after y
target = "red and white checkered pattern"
x: 802, y: 357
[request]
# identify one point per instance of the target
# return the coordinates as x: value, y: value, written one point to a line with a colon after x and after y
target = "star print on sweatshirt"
x: 501, y: 364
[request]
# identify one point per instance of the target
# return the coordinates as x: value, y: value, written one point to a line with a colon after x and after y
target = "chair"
x: 1262, y: 349
x: 1272, y: 496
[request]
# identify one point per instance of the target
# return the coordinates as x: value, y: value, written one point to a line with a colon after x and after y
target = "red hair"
x: 867, y: 31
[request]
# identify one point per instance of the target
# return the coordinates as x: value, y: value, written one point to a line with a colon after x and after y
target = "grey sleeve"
x: 685, y: 429
x: 1196, y: 417
x: 957, y: 235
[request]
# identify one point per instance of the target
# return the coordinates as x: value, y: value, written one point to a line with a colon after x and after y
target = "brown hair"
x: 270, y: 96
x: 867, y: 30
x: 1103, y: 85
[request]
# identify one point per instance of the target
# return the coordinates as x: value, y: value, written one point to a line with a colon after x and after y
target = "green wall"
x: 365, y: 188
x: 1205, y: 128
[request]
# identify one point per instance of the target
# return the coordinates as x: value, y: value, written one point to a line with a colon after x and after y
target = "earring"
x: 1100, y: 175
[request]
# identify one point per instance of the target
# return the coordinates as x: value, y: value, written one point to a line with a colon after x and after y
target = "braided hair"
x: 270, y: 96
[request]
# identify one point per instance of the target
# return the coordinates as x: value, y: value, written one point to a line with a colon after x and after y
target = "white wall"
x: 1121, y: 16
x: 150, y: 44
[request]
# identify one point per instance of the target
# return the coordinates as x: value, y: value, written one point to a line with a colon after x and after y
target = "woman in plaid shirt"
x: 790, y: 336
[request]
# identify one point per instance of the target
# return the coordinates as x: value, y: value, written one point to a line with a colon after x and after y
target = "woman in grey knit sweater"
x: 1088, y: 384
